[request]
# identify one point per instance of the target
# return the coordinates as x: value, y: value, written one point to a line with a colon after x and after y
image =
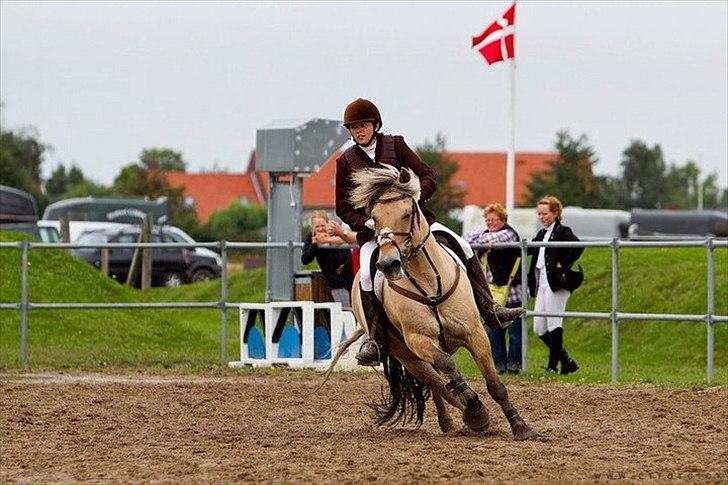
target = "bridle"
x: 408, y: 252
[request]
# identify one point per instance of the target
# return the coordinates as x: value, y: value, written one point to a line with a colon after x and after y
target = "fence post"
x: 291, y: 266
x: 223, y: 305
x: 24, y: 304
x: 615, y: 309
x: 524, y: 302
x: 711, y: 309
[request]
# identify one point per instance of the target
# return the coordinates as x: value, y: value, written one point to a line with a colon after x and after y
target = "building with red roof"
x: 482, y: 175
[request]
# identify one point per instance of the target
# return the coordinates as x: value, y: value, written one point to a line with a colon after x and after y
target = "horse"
x: 431, y: 311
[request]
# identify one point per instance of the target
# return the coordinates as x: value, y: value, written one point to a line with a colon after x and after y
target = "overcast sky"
x: 101, y: 81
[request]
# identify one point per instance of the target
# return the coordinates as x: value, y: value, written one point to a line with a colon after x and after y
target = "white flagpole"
x: 511, y: 157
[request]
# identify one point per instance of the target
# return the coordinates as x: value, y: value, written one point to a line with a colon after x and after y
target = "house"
x: 482, y: 175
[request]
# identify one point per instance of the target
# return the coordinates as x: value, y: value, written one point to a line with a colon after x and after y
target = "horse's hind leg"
x: 426, y: 374
x: 475, y: 414
x: 480, y: 349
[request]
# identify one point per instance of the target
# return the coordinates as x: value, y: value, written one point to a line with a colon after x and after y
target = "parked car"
x: 18, y: 212
x: 170, y: 266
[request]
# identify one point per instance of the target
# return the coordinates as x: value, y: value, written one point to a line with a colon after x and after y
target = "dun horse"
x: 431, y: 311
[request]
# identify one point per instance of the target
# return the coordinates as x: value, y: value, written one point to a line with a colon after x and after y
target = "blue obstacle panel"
x: 289, y: 345
x: 256, y: 344
x: 321, y: 343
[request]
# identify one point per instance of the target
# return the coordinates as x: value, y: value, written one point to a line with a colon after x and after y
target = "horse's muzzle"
x: 391, y: 268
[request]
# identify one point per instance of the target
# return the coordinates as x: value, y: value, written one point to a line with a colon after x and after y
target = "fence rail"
x: 614, y: 316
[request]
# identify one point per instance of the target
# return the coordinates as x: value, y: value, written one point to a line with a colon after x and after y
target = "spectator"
x: 500, y: 264
x: 547, y: 282
x: 335, y: 264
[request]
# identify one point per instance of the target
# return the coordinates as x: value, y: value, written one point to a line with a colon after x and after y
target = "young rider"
x: 371, y: 149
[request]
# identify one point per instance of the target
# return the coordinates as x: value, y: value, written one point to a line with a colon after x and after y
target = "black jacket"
x: 335, y: 263
x: 556, y: 258
x: 501, y: 261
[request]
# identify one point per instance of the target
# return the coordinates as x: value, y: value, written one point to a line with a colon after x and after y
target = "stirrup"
x: 364, y: 359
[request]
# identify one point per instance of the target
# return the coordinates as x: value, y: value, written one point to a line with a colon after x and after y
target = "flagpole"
x: 511, y: 157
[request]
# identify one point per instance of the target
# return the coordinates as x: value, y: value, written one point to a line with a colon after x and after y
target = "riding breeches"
x: 549, y: 301
x: 367, y: 250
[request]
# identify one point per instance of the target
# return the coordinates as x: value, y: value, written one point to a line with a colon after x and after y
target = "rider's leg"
x: 494, y: 315
x: 370, y: 351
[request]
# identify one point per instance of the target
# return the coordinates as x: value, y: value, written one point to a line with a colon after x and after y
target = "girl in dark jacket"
x: 546, y: 282
x: 335, y: 264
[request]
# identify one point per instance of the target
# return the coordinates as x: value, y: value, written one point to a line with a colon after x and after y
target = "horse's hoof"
x: 447, y: 426
x: 477, y: 420
x: 525, y: 432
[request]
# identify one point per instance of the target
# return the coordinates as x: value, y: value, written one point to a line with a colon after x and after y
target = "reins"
x: 430, y: 301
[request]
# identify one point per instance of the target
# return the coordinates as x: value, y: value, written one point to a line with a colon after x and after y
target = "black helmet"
x: 361, y: 110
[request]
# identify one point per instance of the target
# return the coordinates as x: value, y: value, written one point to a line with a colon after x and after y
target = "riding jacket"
x: 556, y: 258
x: 392, y: 150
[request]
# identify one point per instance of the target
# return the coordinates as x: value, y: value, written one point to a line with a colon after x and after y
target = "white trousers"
x: 366, y: 251
x: 549, y: 301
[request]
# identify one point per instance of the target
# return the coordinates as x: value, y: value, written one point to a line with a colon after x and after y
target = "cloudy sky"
x: 101, y: 81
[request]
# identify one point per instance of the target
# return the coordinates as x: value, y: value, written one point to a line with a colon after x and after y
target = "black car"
x: 170, y: 266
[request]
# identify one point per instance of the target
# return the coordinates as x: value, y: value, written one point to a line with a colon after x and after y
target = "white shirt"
x: 371, y: 150
x: 541, y: 260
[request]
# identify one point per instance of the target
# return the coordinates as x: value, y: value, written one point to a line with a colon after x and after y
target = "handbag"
x: 500, y: 293
x: 570, y: 279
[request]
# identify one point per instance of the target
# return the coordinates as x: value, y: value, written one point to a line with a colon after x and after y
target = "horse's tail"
x: 406, y: 400
x: 339, y: 352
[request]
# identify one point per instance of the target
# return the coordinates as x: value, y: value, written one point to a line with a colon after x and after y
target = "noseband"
x: 409, y: 251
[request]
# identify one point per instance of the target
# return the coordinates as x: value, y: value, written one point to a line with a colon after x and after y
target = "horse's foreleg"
x: 426, y: 374
x: 475, y: 414
x: 480, y: 349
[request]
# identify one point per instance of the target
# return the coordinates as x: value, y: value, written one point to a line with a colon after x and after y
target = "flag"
x: 497, y: 42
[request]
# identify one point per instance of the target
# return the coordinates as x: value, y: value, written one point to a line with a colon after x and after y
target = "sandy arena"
x: 268, y: 427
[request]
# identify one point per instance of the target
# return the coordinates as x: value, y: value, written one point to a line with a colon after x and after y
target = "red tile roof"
x: 216, y: 190
x: 482, y: 175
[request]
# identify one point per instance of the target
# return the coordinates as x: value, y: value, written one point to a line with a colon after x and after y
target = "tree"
x: 61, y: 182
x: 448, y: 196
x: 163, y: 159
x: 238, y: 222
x: 570, y: 177
x: 643, y: 176
x: 21, y: 158
x: 135, y: 180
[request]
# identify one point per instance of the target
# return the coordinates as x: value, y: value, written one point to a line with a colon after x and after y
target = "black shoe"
x: 368, y: 354
x: 513, y: 368
x: 551, y: 370
x: 568, y: 366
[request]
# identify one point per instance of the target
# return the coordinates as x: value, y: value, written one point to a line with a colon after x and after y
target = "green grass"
x: 651, y: 281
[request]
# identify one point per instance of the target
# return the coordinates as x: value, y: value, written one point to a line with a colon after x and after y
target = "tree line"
x: 646, y: 181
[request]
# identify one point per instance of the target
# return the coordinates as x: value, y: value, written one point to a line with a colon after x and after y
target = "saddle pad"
x: 379, y: 276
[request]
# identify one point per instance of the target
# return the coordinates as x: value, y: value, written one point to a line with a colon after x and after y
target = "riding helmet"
x: 361, y: 110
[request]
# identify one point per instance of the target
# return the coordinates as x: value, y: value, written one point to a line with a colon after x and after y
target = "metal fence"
x: 614, y: 316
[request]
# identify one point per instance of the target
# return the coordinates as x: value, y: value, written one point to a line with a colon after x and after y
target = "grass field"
x: 651, y: 281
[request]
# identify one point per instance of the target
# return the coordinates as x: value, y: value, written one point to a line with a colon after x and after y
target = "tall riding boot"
x: 370, y: 351
x: 553, y: 356
x: 494, y: 315
x: 568, y: 365
x: 556, y: 351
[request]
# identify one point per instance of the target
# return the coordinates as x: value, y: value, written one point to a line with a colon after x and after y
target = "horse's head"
x: 390, y: 197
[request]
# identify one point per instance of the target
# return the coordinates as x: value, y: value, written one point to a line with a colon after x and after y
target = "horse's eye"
x: 406, y: 216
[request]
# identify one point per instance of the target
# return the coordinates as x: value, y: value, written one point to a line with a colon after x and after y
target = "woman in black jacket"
x: 548, y: 283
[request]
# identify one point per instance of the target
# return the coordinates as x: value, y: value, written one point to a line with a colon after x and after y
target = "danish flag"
x: 497, y: 42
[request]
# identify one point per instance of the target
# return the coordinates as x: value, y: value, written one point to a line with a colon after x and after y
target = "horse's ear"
x: 404, y: 176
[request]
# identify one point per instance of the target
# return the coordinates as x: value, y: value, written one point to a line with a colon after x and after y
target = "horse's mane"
x: 371, y: 183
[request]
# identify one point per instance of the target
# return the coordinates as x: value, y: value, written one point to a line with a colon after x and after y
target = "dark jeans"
x: 511, y: 359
